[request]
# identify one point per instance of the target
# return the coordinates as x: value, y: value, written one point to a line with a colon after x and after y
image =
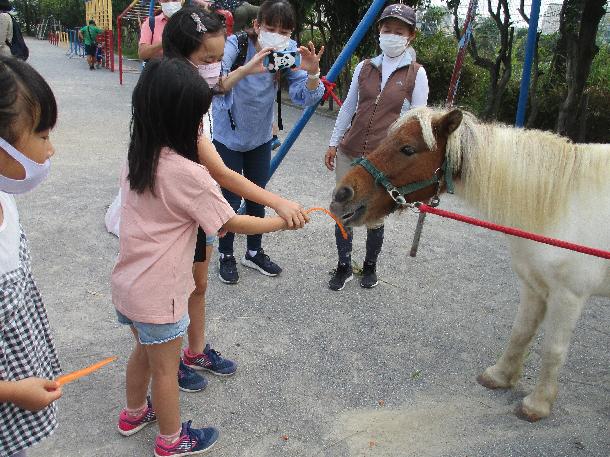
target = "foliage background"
x: 331, y: 23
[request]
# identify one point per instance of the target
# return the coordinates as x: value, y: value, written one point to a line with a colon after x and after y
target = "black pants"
x: 374, y: 242
x: 255, y: 166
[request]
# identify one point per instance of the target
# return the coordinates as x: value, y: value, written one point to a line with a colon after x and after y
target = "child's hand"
x: 293, y: 214
x: 255, y: 65
x: 34, y: 394
x: 310, y: 61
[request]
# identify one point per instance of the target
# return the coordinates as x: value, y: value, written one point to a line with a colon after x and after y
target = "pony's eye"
x: 407, y: 150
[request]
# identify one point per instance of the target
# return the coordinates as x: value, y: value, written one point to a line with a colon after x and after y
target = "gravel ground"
x: 383, y: 372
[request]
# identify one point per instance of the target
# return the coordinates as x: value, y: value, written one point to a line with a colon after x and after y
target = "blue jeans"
x: 255, y: 166
x: 156, y: 333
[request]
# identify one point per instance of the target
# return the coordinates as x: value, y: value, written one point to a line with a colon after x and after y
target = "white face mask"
x: 169, y: 8
x: 393, y: 45
x: 277, y: 41
x: 35, y: 172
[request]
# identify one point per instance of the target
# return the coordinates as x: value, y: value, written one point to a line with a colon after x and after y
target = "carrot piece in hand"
x: 65, y: 379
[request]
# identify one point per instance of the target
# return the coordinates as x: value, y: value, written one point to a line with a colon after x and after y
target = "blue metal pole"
x: 358, y: 35
x: 527, y: 64
x: 151, y: 15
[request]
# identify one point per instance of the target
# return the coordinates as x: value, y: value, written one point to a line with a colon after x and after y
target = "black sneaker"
x: 262, y: 263
x: 227, y: 269
x: 369, y: 275
x: 275, y: 143
x: 342, y: 274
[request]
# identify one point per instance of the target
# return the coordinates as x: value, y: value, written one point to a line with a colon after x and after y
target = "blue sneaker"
x: 189, y: 380
x: 192, y: 441
x: 209, y: 360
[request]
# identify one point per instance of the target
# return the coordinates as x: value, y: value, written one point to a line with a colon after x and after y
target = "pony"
x: 529, y: 179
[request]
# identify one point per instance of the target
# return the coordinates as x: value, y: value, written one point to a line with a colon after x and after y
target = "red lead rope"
x: 330, y: 87
x: 515, y: 232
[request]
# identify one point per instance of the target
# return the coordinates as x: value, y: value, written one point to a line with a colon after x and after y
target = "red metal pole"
x: 111, y: 51
x: 120, y: 51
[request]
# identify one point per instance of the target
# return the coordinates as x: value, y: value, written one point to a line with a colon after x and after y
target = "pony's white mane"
x: 516, y: 177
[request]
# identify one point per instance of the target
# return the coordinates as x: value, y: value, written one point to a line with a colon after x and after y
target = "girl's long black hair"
x: 168, y: 104
x: 180, y: 35
x: 26, y: 100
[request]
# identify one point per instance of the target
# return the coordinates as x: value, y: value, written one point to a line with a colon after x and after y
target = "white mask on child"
x: 393, y: 45
x: 273, y: 40
x: 35, y: 172
x: 169, y: 8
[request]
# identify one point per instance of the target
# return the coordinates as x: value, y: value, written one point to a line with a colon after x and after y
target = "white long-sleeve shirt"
x: 388, y: 66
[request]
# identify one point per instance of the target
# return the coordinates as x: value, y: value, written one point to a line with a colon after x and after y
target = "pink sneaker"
x: 211, y: 361
x: 128, y: 426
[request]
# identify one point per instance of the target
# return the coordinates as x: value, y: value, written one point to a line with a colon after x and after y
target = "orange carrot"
x: 65, y: 379
x: 343, y: 232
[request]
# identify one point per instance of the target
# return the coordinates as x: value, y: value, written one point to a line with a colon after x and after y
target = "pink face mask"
x: 210, y: 72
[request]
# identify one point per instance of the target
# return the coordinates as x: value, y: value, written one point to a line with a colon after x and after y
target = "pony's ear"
x: 450, y: 122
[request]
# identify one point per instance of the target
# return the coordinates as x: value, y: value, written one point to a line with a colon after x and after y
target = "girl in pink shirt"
x: 166, y: 195
x: 198, y: 37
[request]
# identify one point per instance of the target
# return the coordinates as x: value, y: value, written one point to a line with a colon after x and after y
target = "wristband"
x: 313, y: 76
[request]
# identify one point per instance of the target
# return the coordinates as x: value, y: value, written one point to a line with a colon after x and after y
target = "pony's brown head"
x: 409, y: 154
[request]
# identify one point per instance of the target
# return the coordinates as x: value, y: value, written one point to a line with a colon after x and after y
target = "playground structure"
x: 48, y: 25
x: 132, y: 16
x: 98, y: 10
x: 101, y: 12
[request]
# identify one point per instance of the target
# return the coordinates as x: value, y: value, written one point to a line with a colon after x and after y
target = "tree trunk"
x: 579, y: 24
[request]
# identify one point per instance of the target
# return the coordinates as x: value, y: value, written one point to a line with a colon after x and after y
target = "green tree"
x: 499, y: 64
x: 433, y: 19
x: 28, y: 14
x: 71, y: 13
x: 577, y: 49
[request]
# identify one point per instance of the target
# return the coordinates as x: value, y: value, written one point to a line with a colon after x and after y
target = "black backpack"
x: 18, y: 47
x: 242, y: 47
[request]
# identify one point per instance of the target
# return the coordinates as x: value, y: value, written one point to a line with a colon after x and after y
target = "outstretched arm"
x: 251, y: 225
x: 291, y: 212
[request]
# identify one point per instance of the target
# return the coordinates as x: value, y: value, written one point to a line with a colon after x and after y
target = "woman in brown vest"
x: 382, y: 89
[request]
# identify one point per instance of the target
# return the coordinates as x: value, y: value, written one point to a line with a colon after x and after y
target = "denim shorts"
x: 156, y: 333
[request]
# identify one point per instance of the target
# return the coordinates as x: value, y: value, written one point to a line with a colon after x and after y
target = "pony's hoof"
x: 533, y: 408
x: 523, y: 413
x: 486, y: 380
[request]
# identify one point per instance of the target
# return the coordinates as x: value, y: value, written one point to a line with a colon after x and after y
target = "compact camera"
x: 278, y: 60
